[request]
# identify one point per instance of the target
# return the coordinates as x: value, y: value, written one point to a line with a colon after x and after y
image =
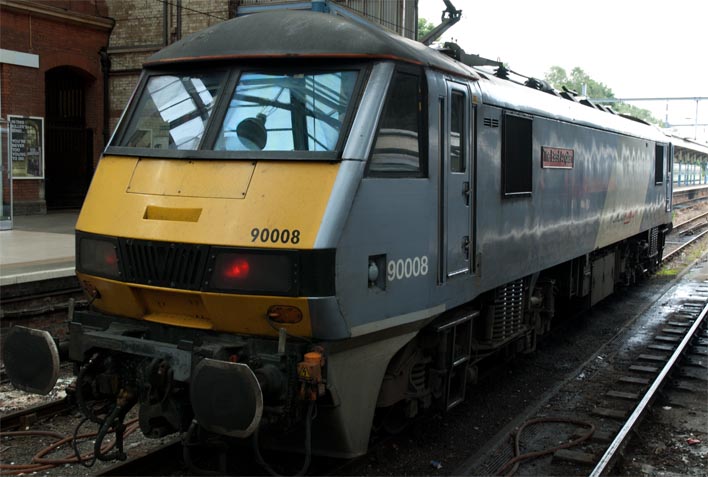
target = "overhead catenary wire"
x: 182, y: 7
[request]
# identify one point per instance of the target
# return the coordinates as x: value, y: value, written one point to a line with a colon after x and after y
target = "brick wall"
x: 139, y: 23
x: 145, y: 26
x: 87, y: 7
x: 60, y: 38
x: 200, y: 14
x: 390, y: 14
x: 121, y: 87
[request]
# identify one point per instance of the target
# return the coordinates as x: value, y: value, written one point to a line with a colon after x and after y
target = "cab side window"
x: 399, y: 149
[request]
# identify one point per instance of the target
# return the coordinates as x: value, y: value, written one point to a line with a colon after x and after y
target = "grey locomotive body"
x: 527, y: 201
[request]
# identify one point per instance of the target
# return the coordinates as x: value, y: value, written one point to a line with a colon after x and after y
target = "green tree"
x: 578, y: 78
x: 424, y: 27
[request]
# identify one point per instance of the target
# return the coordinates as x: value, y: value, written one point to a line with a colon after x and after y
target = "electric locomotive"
x: 334, y: 220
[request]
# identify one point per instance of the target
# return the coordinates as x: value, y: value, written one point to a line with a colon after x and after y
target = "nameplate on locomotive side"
x: 557, y: 158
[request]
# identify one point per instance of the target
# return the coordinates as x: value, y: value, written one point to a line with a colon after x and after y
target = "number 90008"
x: 266, y: 235
x: 407, y: 268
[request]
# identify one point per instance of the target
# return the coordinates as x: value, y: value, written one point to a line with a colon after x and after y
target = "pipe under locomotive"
x: 282, y: 224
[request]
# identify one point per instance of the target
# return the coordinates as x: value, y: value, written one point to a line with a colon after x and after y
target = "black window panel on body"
x: 517, y: 155
x: 659, y: 164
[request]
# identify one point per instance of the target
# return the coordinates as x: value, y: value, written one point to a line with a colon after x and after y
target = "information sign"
x: 26, y: 145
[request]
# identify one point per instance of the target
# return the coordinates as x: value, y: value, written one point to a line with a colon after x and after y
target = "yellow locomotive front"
x: 189, y: 227
x: 196, y: 245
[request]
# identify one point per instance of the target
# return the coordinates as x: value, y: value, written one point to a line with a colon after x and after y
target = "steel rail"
x: 693, y: 219
x: 688, y: 202
x: 16, y: 419
x: 150, y: 462
x: 37, y: 296
x: 671, y: 254
x: 617, y: 443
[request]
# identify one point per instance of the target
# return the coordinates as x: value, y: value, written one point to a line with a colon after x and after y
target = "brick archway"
x: 69, y: 142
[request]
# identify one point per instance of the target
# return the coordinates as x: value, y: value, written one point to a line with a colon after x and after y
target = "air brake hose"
x: 80, y: 401
x: 518, y: 457
x: 308, y: 446
x: 115, y: 420
x: 105, y: 427
x: 187, y: 453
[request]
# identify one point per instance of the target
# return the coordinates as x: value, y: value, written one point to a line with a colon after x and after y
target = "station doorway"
x: 68, y: 142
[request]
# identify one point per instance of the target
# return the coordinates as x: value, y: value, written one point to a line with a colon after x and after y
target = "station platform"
x: 689, y: 187
x: 39, y: 247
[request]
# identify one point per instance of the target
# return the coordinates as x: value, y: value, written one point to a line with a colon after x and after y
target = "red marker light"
x: 111, y: 258
x: 249, y: 271
x: 98, y: 257
x: 237, y: 269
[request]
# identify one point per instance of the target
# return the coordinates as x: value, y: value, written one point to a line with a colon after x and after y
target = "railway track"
x: 595, y: 412
x: 158, y: 461
x: 22, y: 419
x: 44, y: 307
x: 32, y: 305
x: 687, y: 326
x: 683, y: 225
x: 684, y: 234
x: 681, y: 246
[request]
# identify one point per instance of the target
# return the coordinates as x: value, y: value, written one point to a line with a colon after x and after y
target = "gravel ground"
x: 672, y: 441
x: 12, y: 400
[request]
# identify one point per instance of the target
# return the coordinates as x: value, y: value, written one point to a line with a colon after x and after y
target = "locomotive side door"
x: 456, y: 180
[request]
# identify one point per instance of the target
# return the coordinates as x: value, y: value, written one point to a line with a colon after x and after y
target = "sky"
x: 638, y: 48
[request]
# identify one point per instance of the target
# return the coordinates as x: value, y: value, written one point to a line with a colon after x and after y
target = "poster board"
x: 26, y: 146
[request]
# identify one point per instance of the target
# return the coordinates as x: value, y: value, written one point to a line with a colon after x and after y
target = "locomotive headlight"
x: 252, y: 272
x: 373, y: 271
x: 97, y: 256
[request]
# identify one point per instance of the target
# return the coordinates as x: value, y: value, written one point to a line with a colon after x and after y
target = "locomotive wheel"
x: 393, y: 419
